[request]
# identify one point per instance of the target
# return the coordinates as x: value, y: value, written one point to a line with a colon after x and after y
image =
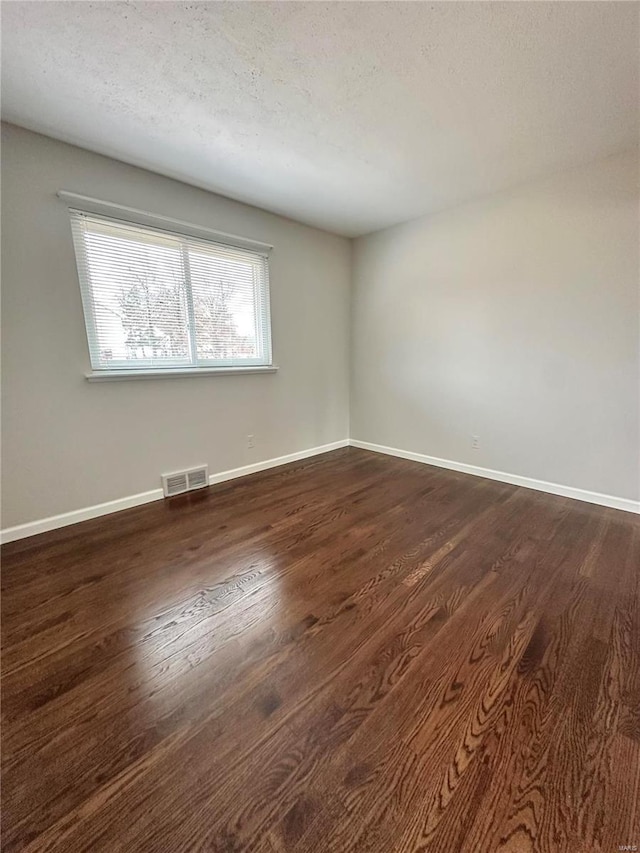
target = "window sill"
x: 175, y: 373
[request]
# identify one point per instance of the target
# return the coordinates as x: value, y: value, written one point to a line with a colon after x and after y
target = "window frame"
x: 189, y: 235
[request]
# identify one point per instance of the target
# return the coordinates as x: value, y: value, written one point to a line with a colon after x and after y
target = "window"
x: 160, y: 300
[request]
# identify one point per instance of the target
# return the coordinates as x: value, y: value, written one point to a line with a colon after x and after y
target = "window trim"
x: 176, y: 372
x: 87, y: 204
x: 142, y: 218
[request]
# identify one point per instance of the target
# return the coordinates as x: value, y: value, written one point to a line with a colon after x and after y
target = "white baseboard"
x: 21, y: 531
x: 514, y: 479
x: 273, y: 463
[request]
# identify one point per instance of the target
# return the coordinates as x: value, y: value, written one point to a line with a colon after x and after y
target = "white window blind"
x: 158, y: 299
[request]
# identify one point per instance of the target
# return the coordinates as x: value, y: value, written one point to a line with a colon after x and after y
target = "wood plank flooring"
x: 351, y: 653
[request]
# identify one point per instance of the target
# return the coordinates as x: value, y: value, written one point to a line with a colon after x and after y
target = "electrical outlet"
x: 251, y: 441
x: 475, y: 442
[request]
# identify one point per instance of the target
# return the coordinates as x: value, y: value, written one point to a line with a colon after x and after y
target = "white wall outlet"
x: 251, y: 441
x: 475, y: 442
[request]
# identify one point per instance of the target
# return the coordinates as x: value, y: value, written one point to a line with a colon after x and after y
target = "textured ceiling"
x: 348, y: 116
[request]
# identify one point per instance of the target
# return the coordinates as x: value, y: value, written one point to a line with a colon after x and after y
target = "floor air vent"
x: 185, y: 481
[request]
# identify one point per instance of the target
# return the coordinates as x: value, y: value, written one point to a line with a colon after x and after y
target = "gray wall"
x: 67, y: 443
x: 514, y: 318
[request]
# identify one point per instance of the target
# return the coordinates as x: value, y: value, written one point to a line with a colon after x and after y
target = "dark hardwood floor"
x: 351, y: 653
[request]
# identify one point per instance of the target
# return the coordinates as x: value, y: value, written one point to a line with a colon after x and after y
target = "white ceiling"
x: 348, y: 116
